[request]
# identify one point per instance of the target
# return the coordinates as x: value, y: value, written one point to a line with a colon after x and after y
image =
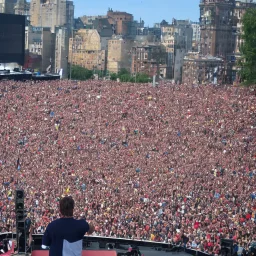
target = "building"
x: 51, y: 13
x: 78, y: 24
x: 184, y: 34
x: 122, y: 21
x: 137, y: 27
x: 153, y: 31
x: 115, y: 22
x: 22, y: 7
x: 7, y: 6
x: 119, y: 54
x: 144, y: 39
x: 196, y: 36
x: 196, y: 31
x: 85, y: 50
x: 177, y: 40
x: 70, y: 21
x: 178, y: 65
x: 149, y: 59
x: 198, y: 69
x: 169, y: 40
x: 239, y: 10
x: 61, y: 51
x: 104, y: 28
x: 88, y: 20
x: 33, y: 46
x: 216, y: 19
x: 40, y: 45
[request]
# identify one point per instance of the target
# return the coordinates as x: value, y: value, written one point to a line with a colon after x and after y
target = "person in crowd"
x: 149, y: 163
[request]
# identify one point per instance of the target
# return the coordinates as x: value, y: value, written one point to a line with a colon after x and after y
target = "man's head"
x: 67, y: 205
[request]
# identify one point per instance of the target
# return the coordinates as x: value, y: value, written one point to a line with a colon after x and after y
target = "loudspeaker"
x: 226, y: 247
x: 20, y: 221
x: 21, y: 231
x: 19, y: 200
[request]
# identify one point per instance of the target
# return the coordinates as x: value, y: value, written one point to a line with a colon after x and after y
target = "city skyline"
x: 150, y: 11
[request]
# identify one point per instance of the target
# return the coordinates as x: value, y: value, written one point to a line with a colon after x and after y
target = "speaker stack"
x: 20, y: 221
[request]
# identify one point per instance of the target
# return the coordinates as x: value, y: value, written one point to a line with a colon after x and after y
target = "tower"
x: 216, y: 21
x: 48, y: 13
x: 7, y: 6
x: 21, y: 7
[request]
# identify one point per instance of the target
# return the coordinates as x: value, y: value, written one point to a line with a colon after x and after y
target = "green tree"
x: 125, y: 78
x: 113, y: 77
x: 123, y: 71
x: 80, y: 73
x: 142, y: 78
x: 248, y: 49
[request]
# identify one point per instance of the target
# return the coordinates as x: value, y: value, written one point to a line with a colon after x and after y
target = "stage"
x: 26, y: 76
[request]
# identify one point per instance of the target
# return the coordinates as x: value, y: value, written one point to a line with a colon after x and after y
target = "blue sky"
x: 151, y: 11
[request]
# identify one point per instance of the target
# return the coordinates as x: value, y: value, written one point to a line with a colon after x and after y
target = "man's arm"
x: 91, y: 229
x: 46, y: 238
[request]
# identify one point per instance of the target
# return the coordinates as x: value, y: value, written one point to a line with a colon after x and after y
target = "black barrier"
x: 16, y: 77
x: 26, y: 76
x: 7, y: 235
x: 106, y: 240
x: 45, y: 77
x: 195, y: 252
x: 109, y: 240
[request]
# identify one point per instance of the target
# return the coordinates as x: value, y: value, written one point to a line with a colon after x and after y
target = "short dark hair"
x: 67, y: 205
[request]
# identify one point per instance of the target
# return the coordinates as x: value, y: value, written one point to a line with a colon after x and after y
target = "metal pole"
x: 136, y: 61
x: 41, y: 38
x: 12, y: 231
x: 71, y: 57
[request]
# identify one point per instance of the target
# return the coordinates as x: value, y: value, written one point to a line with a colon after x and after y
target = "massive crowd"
x: 170, y: 163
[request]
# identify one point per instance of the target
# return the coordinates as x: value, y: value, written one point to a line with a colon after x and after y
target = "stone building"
x: 216, y: 19
x: 169, y: 40
x: 122, y: 21
x: 85, y: 50
x: 119, y: 54
x: 7, y: 6
x: 40, y: 44
x: 50, y: 13
x: 70, y: 20
x: 61, y: 51
x: 198, y: 69
x: 239, y: 11
x: 150, y: 59
x: 196, y: 36
x: 177, y: 40
x: 22, y: 8
x: 88, y: 20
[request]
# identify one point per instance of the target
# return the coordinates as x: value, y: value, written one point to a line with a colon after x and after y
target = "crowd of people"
x: 173, y: 163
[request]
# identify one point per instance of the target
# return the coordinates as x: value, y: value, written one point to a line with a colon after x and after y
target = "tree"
x: 123, y: 71
x: 143, y: 78
x: 113, y: 77
x: 80, y: 73
x: 248, y: 49
x: 125, y: 78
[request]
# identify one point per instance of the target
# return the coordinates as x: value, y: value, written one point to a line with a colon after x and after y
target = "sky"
x: 151, y: 11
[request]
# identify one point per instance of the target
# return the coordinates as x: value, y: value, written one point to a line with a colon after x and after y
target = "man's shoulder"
x: 71, y: 222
